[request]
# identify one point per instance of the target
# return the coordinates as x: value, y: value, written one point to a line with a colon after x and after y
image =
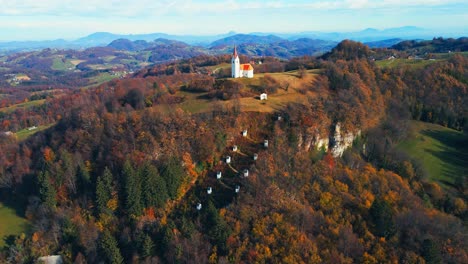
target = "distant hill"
x: 383, y: 43
x: 125, y: 44
x: 370, y: 35
x: 348, y: 50
x: 282, y: 49
x: 435, y: 45
x: 244, y: 38
x: 165, y: 49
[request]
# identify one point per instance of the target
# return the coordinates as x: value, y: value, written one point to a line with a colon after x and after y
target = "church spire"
x: 235, y: 52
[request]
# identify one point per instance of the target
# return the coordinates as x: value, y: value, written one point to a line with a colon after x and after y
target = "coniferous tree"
x: 172, y: 174
x: 83, y: 178
x: 132, y: 190
x: 382, y: 216
x: 154, y: 190
x: 147, y: 247
x: 218, y: 229
x: 431, y: 252
x: 109, y: 248
x: 47, y: 191
x: 104, y: 190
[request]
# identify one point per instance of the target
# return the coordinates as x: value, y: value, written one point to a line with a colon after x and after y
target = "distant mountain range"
x: 104, y: 38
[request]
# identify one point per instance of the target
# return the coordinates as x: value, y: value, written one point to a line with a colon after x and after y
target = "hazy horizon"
x: 61, y: 19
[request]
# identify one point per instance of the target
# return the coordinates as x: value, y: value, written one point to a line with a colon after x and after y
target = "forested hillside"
x: 125, y: 175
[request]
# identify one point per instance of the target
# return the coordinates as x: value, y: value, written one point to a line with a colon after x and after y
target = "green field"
x: 11, y: 223
x: 25, y: 133
x: 100, y: 78
x: 395, y: 63
x: 59, y: 65
x: 442, y: 151
x: 417, y: 63
x: 22, y: 105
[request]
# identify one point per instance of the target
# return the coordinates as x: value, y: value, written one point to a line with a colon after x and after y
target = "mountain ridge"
x: 105, y: 38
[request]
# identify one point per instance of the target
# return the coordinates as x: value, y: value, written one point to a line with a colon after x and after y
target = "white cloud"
x: 133, y: 8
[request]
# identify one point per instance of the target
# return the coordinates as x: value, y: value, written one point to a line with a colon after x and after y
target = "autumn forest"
x: 176, y: 163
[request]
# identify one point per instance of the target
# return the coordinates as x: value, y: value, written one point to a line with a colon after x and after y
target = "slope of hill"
x: 442, y: 151
x: 133, y: 172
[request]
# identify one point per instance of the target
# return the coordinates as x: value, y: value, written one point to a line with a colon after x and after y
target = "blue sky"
x: 70, y: 19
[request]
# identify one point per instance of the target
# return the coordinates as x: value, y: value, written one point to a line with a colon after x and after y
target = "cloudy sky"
x: 70, y: 19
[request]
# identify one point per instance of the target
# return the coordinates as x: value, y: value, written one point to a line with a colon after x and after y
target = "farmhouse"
x: 240, y: 70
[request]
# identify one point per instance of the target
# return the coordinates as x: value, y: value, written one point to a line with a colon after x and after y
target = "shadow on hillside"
x: 454, y: 153
x: 11, y: 201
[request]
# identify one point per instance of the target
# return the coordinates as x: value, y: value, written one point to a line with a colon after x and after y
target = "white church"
x: 240, y: 70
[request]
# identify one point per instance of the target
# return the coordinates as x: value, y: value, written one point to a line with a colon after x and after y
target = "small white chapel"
x: 240, y: 70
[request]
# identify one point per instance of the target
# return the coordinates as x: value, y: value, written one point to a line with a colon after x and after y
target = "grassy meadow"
x: 11, y: 223
x: 196, y: 102
x: 442, y: 151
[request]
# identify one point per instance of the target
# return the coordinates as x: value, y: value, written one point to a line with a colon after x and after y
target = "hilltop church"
x: 240, y: 70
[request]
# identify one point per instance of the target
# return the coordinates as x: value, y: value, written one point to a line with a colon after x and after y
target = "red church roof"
x: 246, y: 67
x: 235, y: 52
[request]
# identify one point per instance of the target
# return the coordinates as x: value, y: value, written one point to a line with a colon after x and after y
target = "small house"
x: 228, y: 159
x: 246, y: 173
x: 279, y: 118
x: 234, y: 148
x: 199, y: 206
x: 255, y: 156
x: 237, y: 188
x: 265, y: 143
x: 209, y: 190
x: 218, y: 175
x: 56, y: 259
x: 263, y: 96
x: 244, y: 133
x: 32, y: 128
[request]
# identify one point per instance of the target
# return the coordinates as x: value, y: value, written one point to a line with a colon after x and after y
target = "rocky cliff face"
x: 306, y: 141
x: 342, y: 140
x: 338, y: 142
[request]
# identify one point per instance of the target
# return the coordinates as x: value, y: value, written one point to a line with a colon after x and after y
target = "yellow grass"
x: 76, y: 62
x: 275, y: 101
x: 23, y: 77
x: 22, y: 105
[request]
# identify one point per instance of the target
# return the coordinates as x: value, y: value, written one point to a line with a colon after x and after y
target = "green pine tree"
x: 104, y: 190
x: 431, y: 252
x: 47, y: 191
x: 382, y: 216
x: 109, y: 248
x: 218, y: 229
x: 147, y: 247
x: 132, y: 190
x: 154, y: 190
x: 83, y: 178
x: 173, y: 174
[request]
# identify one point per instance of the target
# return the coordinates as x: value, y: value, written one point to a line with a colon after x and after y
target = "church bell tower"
x: 235, y: 64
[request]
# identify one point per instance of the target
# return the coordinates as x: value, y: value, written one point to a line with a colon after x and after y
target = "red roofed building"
x: 240, y: 70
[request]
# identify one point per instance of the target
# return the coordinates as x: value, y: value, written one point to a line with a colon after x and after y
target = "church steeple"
x: 235, y: 52
x: 235, y: 64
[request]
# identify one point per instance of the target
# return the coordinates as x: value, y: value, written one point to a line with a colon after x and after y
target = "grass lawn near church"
x: 195, y: 103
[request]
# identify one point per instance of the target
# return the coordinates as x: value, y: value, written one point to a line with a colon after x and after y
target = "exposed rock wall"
x: 338, y: 142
